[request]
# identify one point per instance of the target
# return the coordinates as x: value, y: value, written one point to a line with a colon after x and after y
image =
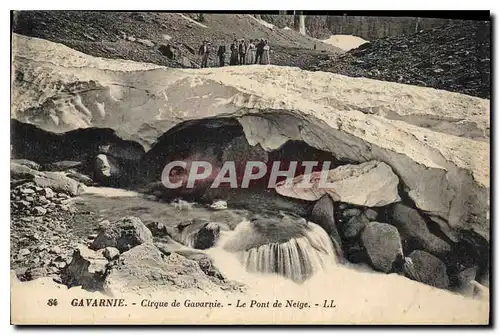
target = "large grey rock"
x: 122, y: 234
x: 368, y: 184
x: 427, y: 269
x: 355, y: 225
x: 145, y: 269
x: 27, y: 163
x: 382, y: 244
x: 21, y: 171
x: 62, y: 165
x: 203, y: 260
x: 87, y: 268
x: 414, y: 231
x: 81, y: 178
x: 371, y: 214
x: 58, y: 182
x: 322, y: 214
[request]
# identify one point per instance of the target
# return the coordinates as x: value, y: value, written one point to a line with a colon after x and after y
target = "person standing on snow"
x: 234, y: 53
x: 242, y: 49
x: 250, y: 53
x: 265, y: 60
x: 221, y: 53
x: 260, y: 50
x: 204, y: 52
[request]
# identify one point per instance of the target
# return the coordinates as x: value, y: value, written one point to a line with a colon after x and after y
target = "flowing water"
x: 302, y: 268
x: 297, y: 259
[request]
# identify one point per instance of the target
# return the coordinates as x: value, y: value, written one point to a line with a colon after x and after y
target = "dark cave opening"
x: 218, y: 141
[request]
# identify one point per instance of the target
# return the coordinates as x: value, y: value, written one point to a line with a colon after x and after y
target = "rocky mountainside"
x: 461, y: 63
x: 145, y: 36
x: 455, y: 57
x: 367, y: 27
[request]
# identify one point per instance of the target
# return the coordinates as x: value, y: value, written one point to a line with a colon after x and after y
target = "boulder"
x: 368, y: 184
x: 27, y: 163
x: 414, y: 231
x: 371, y: 214
x: 355, y: 225
x: 159, y: 228
x: 383, y: 245
x: 207, y: 236
x: 146, y: 269
x: 427, y: 269
x: 355, y: 252
x: 351, y: 212
x: 58, y: 182
x: 122, y: 234
x: 81, y: 178
x: 62, y: 165
x: 322, y: 214
x: 87, y: 268
x: 20, y: 171
x: 203, y: 260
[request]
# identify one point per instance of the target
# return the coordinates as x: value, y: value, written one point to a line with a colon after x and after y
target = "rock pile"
x: 114, y: 262
x: 397, y: 239
x: 455, y: 58
x: 41, y: 208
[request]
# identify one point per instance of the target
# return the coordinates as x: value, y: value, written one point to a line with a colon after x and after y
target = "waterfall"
x: 298, y: 258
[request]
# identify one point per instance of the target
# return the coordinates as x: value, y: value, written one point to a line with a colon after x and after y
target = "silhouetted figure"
x: 250, y: 53
x: 242, y: 49
x: 234, y: 53
x: 221, y: 53
x: 265, y: 59
x: 260, y: 50
x: 204, y: 52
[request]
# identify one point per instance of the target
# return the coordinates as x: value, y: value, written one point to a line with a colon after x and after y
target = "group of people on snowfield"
x: 242, y: 53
